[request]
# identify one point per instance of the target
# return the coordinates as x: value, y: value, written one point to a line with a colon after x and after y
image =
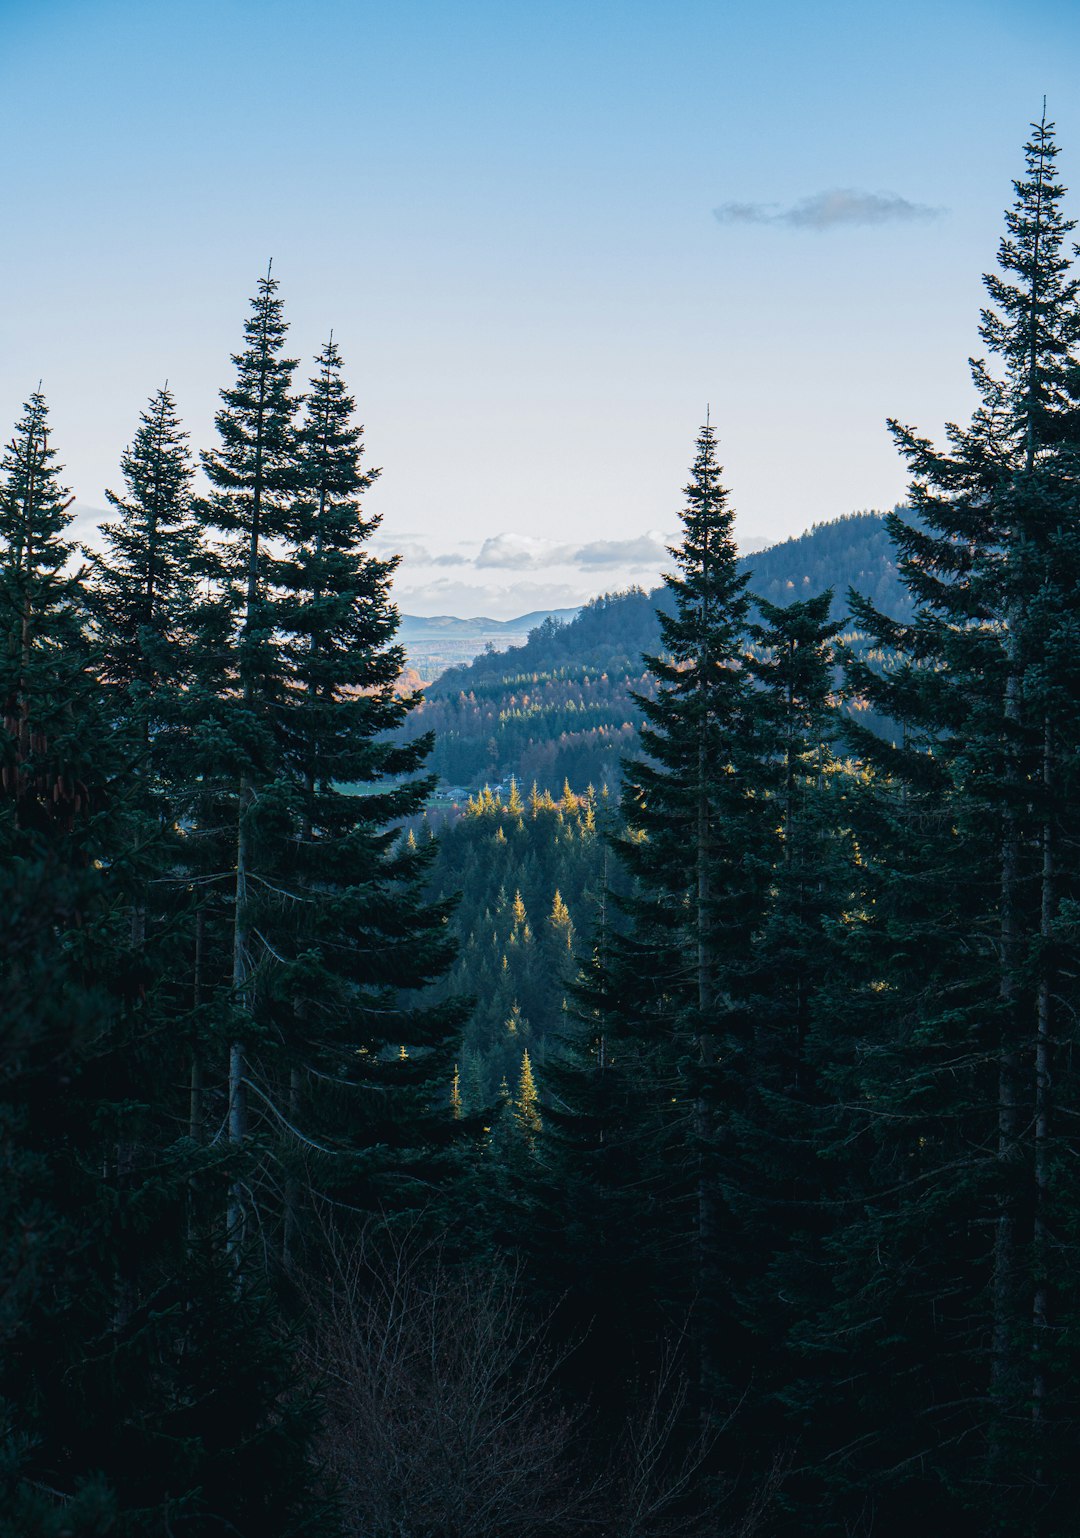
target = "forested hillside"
x: 562, y: 706
x: 531, y: 874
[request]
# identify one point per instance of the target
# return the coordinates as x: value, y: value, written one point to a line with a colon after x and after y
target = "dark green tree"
x: 253, y: 476
x: 699, y: 844
x: 143, y: 587
x: 946, y: 1270
x: 794, y: 958
x: 366, y: 1061
x: 57, y: 1006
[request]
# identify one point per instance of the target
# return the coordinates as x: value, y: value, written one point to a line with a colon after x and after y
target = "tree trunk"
x: 195, y: 1099
x: 1003, y: 1374
x: 292, y: 1183
x: 237, y: 1064
x: 1044, y: 1048
x: 703, y: 1111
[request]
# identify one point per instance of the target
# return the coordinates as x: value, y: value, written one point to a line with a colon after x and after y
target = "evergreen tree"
x: 58, y: 1001
x: 366, y: 1058
x: 144, y: 581
x: 950, y: 1086
x: 527, y: 1103
x: 793, y: 962
x: 252, y: 474
x: 700, y: 847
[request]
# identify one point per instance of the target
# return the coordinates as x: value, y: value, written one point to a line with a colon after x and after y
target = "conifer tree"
x: 42, y: 600
x: 142, y: 600
x: 56, y: 1002
x: 143, y: 584
x: 354, y: 1068
x: 793, y: 961
x: 976, y: 836
x: 794, y: 664
x: 527, y: 1103
x: 252, y: 474
x: 700, y: 849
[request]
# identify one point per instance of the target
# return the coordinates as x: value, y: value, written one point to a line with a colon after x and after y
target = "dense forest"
x: 566, y: 704
x: 684, y: 1154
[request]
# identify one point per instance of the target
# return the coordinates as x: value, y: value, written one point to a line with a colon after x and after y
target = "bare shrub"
x: 440, y: 1422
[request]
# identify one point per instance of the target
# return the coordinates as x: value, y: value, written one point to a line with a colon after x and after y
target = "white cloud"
x: 520, y: 552
x: 829, y: 210
x: 516, y: 552
x: 648, y: 551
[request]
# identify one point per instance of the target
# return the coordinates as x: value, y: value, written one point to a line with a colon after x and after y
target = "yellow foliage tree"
x: 527, y: 1104
x: 455, y: 1094
x: 560, y: 920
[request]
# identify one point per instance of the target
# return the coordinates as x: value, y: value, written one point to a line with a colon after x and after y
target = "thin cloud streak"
x: 829, y: 210
x: 516, y: 552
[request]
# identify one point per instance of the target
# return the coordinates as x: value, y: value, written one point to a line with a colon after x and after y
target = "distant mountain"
x: 436, y: 642
x: 423, y: 626
x: 561, y: 705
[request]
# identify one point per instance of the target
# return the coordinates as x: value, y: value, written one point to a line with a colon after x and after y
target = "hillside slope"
x: 561, y: 706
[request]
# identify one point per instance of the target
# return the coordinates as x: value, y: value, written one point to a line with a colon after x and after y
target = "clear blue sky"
x: 507, y: 214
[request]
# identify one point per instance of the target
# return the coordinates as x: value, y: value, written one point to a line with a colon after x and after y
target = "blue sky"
x: 508, y: 214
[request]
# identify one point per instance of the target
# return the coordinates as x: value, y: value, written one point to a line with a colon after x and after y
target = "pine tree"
x: 605, y: 1222
x: 252, y: 474
x: 793, y: 961
x: 700, y: 848
x: 134, y: 1398
x: 527, y: 1103
x: 949, y: 1085
x: 144, y: 581
x: 58, y: 1003
x: 44, y: 642
x: 142, y: 598
x: 794, y: 665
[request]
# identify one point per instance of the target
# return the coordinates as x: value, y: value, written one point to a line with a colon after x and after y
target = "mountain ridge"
x: 417, y: 625
x: 562, y: 705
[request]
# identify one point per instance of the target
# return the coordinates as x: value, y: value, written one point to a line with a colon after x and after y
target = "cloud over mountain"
x: 830, y: 210
x: 520, y: 552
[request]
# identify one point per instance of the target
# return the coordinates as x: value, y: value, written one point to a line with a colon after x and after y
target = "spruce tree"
x: 58, y: 1004
x: 699, y: 847
x: 352, y: 941
x: 950, y: 1088
x: 252, y: 474
x: 144, y: 579
x: 793, y: 963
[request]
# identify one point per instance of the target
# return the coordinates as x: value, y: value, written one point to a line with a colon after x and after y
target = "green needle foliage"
x: 957, y: 1251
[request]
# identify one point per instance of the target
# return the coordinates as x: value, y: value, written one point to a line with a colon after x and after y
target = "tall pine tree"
x: 947, y: 1085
